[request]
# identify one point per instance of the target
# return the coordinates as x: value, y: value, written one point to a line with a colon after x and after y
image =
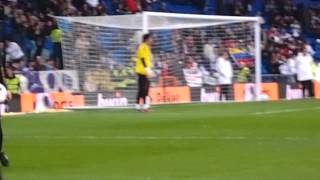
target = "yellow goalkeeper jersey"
x: 144, y: 59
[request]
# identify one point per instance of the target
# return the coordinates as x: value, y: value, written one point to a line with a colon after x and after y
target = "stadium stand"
x: 288, y: 24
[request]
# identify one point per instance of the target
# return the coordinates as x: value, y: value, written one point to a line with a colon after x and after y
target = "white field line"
x: 286, y: 111
x: 176, y: 138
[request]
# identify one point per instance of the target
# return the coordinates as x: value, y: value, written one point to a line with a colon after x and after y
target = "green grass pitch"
x: 245, y: 141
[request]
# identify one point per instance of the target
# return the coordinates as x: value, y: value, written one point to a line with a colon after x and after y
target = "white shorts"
x: 3, y: 108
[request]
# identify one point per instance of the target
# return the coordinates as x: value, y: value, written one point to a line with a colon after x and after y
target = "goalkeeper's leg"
x: 147, y: 100
x: 141, y: 91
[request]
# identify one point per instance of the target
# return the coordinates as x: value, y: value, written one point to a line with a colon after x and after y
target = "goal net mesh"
x: 185, y: 53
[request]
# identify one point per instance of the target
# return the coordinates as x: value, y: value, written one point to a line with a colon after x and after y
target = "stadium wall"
x: 65, y: 96
x: 47, y: 90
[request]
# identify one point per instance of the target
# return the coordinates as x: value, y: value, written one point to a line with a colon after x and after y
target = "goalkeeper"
x: 144, y: 72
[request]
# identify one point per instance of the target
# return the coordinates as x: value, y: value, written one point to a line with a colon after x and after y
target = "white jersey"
x: 14, y: 51
x: 3, y: 97
x: 93, y: 3
x: 289, y: 67
x: 304, y: 67
x: 318, y: 73
x: 225, y: 71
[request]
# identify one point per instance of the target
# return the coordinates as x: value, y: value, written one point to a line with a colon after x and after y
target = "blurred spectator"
x: 100, y: 10
x: 12, y: 81
x: 309, y: 49
x: 40, y: 64
x: 31, y: 65
x: 2, y: 13
x: 189, y: 47
x: 132, y: 6
x: 51, y: 65
x: 209, y: 52
x: 225, y: 75
x: 2, y: 54
x: 304, y: 63
x: 93, y: 3
x: 18, y: 66
x: 240, y: 8
x: 13, y: 51
x: 296, y: 29
x: 121, y: 6
x: 2, y: 63
x: 288, y: 68
x: 244, y: 73
x: 237, y: 7
x: 192, y: 73
x: 57, y: 49
x: 315, y: 21
x: 146, y: 4
x: 14, y: 84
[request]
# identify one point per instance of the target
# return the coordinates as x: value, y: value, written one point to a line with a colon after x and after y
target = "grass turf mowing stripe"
x: 287, y: 111
x: 177, y: 138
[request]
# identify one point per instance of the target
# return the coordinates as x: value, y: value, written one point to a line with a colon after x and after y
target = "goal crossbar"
x: 136, y: 21
x: 199, y: 16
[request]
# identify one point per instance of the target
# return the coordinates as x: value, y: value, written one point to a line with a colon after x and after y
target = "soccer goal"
x: 187, y: 54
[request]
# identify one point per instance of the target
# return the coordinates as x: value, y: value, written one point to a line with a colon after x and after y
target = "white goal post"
x: 186, y: 54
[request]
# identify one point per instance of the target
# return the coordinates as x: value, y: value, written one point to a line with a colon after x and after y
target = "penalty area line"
x: 286, y: 111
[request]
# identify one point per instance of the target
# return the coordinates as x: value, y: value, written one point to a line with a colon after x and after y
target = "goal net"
x: 197, y: 58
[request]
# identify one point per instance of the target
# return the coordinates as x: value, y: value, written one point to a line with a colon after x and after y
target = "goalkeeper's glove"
x: 150, y: 73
